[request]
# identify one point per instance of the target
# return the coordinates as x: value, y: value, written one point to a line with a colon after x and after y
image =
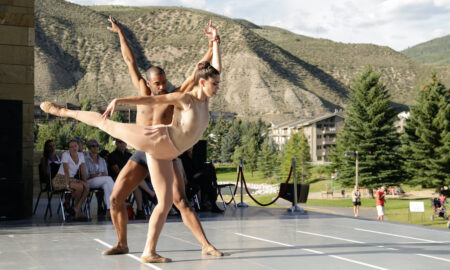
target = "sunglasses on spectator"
x: 93, y: 145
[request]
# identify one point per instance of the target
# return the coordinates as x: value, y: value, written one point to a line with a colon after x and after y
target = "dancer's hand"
x: 115, y: 28
x: 211, y: 32
x: 110, y: 109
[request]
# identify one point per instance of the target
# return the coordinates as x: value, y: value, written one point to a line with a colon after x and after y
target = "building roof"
x: 306, y: 122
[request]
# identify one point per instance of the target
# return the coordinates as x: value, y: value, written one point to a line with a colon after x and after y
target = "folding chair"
x: 61, y: 194
x: 219, y: 190
x: 87, y: 203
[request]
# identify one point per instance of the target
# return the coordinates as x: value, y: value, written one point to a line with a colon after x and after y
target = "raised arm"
x: 136, y: 77
x: 216, y: 61
x: 177, y: 99
x: 188, y: 84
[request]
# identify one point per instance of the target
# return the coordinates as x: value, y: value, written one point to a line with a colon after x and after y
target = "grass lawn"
x: 395, y: 209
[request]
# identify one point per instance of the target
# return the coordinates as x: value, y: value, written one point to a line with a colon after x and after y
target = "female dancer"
x: 161, y: 142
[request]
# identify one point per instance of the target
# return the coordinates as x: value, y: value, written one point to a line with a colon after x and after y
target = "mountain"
x: 267, y: 72
x: 436, y: 51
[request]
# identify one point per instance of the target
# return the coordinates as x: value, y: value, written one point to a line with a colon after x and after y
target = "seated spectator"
x: 203, y: 177
x: 50, y: 161
x: 72, y: 160
x: 104, y: 154
x: 97, y: 172
x: 142, y: 190
x: 118, y: 158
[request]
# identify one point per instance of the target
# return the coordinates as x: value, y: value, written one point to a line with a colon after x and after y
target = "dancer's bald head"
x: 154, y: 71
x: 156, y: 80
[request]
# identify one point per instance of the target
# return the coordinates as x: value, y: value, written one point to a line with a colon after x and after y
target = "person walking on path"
x: 381, y: 198
x: 356, y: 198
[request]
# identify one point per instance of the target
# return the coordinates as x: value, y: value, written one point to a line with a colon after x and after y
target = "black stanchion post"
x: 242, y: 203
x: 294, y: 207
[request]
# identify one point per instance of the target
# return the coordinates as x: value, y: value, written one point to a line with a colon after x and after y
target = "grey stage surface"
x: 252, y: 238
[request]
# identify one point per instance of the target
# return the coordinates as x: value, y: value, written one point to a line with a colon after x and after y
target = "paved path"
x: 367, y: 213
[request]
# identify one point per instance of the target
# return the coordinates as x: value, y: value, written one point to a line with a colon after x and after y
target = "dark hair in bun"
x: 205, y: 71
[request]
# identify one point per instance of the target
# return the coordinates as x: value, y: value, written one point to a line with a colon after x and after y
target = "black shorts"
x: 140, y: 158
x: 357, y: 203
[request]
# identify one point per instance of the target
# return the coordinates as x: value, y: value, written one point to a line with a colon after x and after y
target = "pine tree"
x: 426, y: 141
x: 229, y: 142
x: 369, y: 129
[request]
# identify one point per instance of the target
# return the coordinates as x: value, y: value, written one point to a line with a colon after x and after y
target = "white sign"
x: 416, y: 207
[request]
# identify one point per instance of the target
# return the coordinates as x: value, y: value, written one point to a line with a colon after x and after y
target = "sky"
x: 398, y: 24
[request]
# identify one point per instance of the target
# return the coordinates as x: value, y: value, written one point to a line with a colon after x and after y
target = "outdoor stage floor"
x: 252, y: 238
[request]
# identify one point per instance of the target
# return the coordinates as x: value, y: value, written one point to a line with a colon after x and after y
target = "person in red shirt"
x: 380, y: 196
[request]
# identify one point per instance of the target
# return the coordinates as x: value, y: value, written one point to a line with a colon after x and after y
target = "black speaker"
x: 199, y: 152
x: 302, y: 192
x: 11, y: 181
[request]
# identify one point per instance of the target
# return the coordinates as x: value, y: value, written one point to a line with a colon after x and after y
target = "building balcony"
x: 328, y: 130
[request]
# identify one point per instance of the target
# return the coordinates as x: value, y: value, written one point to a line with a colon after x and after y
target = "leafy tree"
x: 297, y: 146
x: 426, y: 140
x: 268, y: 158
x: 251, y: 152
x: 369, y: 129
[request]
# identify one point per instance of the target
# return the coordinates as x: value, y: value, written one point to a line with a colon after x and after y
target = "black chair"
x: 44, y: 186
x: 87, y: 204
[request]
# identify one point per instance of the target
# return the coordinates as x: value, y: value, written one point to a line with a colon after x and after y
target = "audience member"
x: 97, y: 172
x: 380, y: 198
x: 104, y: 154
x: 72, y: 160
x: 203, y: 177
x: 118, y: 158
x: 50, y: 161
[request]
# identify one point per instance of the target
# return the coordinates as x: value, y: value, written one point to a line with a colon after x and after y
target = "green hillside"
x: 436, y: 51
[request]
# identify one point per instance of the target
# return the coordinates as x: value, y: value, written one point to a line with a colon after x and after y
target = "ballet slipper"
x: 52, y: 108
x: 155, y: 258
x: 210, y: 250
x: 115, y: 250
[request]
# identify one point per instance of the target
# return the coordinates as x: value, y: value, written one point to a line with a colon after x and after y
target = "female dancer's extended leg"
x: 132, y: 134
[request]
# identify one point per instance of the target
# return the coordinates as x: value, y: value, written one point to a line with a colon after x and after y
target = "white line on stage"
x: 313, y: 251
x: 434, y: 257
x: 397, y: 235
x: 332, y: 237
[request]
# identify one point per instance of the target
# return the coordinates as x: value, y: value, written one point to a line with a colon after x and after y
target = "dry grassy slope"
x: 401, y: 74
x: 77, y: 58
x: 264, y: 75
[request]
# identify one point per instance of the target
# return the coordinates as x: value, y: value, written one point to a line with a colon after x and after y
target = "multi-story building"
x: 320, y: 132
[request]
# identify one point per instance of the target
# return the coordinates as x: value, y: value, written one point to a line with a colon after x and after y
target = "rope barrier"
x: 280, y: 193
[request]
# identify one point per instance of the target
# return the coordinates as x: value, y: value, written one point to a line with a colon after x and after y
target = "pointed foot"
x: 155, y: 258
x: 52, y: 108
x: 210, y: 250
x: 116, y: 250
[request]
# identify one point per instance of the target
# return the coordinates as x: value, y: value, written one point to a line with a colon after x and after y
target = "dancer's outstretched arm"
x: 177, y: 99
x: 136, y: 77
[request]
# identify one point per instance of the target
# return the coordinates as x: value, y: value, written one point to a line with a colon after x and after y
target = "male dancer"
x: 136, y: 168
